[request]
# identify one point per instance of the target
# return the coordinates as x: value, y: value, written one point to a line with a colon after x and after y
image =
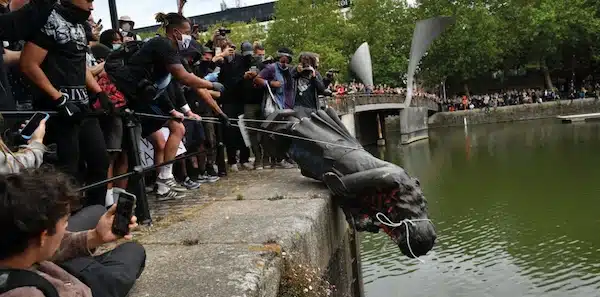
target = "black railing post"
x: 136, y: 184
x: 114, y: 16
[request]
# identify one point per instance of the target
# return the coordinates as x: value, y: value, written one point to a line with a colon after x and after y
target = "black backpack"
x: 16, y: 278
x: 119, y: 58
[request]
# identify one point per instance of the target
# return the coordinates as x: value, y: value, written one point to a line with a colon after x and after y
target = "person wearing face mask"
x: 147, y: 80
x: 252, y: 102
x: 126, y: 29
x: 278, y: 78
x: 55, y: 61
x: 233, y: 68
x: 111, y: 39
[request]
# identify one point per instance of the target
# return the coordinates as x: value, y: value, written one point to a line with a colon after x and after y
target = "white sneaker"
x: 234, y: 168
x: 172, y: 184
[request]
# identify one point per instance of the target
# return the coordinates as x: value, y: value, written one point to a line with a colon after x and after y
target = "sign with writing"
x: 344, y: 3
x: 147, y: 150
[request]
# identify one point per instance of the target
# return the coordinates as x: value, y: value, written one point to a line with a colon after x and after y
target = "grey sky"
x: 142, y: 11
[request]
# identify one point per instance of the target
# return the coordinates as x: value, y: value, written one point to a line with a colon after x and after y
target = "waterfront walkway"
x: 228, y: 239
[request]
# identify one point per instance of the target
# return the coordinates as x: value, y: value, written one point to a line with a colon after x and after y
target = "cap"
x: 247, y: 48
x: 207, y: 49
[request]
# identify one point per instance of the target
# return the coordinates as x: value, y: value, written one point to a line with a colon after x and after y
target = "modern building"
x: 263, y: 13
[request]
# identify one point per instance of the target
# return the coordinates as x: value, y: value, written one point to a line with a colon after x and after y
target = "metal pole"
x: 114, y: 16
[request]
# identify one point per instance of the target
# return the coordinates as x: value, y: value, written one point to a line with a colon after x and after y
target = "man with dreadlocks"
x: 374, y: 194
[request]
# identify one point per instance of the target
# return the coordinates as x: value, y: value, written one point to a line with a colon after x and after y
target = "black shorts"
x: 148, y: 124
x: 194, y: 135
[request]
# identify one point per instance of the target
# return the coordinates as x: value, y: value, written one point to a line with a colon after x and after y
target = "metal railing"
x: 345, y: 104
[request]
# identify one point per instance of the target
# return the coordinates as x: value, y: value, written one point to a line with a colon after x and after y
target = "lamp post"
x: 114, y: 16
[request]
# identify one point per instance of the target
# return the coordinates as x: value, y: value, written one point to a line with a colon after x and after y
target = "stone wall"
x: 514, y: 113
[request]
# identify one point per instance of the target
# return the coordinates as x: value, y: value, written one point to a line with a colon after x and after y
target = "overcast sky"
x: 142, y: 11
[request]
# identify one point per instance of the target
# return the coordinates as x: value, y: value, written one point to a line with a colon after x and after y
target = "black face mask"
x: 72, y: 13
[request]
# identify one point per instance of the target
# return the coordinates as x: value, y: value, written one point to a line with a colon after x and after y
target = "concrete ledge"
x: 226, y: 248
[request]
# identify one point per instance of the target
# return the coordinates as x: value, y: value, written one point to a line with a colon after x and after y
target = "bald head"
x: 17, y: 4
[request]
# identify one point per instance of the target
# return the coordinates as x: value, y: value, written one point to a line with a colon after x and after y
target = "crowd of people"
x: 511, y: 97
x: 104, y: 90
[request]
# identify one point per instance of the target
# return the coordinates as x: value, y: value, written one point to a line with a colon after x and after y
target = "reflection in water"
x: 516, y: 209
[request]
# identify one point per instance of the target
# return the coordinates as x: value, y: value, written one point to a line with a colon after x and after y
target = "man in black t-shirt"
x: 145, y: 78
x: 55, y: 61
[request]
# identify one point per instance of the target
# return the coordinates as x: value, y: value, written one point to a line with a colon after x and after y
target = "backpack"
x: 119, y: 58
x: 16, y: 278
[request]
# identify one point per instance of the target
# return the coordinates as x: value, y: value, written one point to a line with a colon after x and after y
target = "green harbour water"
x: 516, y: 207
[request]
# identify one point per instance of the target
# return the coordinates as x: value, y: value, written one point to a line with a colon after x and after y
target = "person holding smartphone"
x: 29, y: 156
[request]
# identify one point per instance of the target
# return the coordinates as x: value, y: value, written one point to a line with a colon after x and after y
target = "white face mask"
x: 185, y: 41
x: 116, y: 46
x: 126, y: 27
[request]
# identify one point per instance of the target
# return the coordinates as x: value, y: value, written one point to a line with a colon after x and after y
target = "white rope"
x: 386, y: 221
x: 291, y: 136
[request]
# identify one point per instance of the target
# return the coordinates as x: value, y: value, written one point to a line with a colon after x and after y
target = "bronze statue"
x: 373, y: 193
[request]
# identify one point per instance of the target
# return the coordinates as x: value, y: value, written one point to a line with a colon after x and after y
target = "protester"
x: 278, y: 78
x: 233, y: 67
x: 112, y: 39
x: 18, y: 25
x: 309, y: 85
x: 145, y: 80
x: 253, y: 100
x: 34, y: 214
x: 126, y: 25
x: 56, y: 64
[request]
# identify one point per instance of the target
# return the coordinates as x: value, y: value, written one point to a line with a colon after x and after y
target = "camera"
x: 223, y: 31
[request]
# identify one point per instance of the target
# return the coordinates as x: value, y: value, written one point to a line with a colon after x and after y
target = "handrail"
x: 347, y: 103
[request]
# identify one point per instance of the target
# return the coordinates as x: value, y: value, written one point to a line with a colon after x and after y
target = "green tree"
x: 469, y: 48
x: 386, y: 25
x: 240, y: 32
x: 310, y: 25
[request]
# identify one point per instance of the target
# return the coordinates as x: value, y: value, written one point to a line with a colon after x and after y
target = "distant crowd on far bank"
x: 512, y: 97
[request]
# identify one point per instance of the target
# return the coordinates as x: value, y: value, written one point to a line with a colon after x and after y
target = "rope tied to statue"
x: 382, y: 218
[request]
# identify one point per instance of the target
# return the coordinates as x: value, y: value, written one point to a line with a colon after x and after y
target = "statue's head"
x: 406, y: 208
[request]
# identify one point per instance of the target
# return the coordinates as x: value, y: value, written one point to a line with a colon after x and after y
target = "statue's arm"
x: 351, y: 184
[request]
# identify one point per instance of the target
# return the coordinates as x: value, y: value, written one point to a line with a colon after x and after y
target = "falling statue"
x: 374, y: 194
x: 369, y: 190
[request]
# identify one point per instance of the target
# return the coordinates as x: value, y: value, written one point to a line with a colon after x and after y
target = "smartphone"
x: 254, y: 69
x: 99, y: 22
x: 125, y: 208
x: 217, y: 51
x: 33, y: 124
